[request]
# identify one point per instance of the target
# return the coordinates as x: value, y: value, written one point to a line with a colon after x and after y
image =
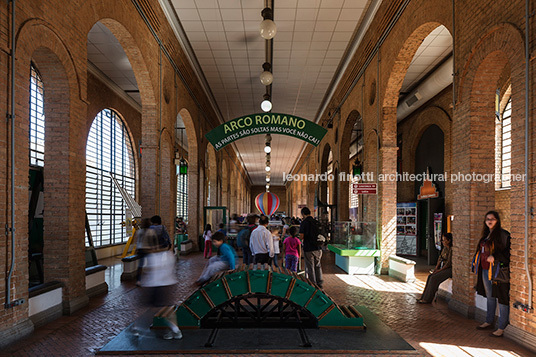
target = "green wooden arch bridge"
x: 254, y: 298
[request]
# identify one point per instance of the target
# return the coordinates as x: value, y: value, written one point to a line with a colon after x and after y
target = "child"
x: 221, y: 229
x: 225, y: 259
x: 207, y: 234
x: 276, y: 239
x: 292, y: 249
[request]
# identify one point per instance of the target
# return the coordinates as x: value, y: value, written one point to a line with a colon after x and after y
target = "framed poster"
x: 438, y: 229
x: 406, y: 228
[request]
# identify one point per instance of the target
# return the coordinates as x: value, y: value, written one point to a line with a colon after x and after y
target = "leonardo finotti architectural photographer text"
x: 405, y: 177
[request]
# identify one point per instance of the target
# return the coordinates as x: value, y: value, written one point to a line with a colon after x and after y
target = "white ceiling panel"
x: 436, y: 47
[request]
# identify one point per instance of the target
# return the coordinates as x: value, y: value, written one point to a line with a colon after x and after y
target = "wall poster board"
x: 438, y: 229
x: 406, y: 228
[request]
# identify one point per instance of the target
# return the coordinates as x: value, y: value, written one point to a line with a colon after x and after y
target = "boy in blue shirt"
x: 225, y: 260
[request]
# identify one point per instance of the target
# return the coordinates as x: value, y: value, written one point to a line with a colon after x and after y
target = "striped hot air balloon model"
x: 267, y: 203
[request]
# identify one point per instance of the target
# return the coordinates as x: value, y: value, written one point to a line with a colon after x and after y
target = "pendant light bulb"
x: 266, y: 78
x: 268, y: 29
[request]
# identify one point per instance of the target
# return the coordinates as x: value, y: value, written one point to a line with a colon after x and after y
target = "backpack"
x: 242, y: 239
x: 163, y: 237
x: 316, y: 237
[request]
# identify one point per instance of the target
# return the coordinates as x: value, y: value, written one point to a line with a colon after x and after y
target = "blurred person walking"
x: 158, y: 274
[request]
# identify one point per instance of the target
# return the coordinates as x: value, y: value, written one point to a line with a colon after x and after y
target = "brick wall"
x: 489, y: 53
x: 53, y: 34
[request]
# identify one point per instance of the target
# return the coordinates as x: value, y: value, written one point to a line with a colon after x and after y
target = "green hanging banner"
x: 266, y: 123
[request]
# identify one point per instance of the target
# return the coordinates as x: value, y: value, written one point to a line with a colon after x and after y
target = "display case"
x: 354, y: 235
x: 355, y: 247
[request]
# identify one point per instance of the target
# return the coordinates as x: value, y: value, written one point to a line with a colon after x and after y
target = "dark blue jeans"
x: 247, y: 257
x: 504, y: 310
x: 291, y: 262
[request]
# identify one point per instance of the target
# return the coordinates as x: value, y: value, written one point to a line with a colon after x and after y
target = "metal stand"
x: 304, y: 338
x: 212, y: 338
x: 259, y: 310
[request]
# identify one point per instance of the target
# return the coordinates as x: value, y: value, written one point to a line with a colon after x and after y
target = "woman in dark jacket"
x: 493, y: 253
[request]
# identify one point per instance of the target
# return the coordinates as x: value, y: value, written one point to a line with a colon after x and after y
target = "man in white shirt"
x: 261, y: 243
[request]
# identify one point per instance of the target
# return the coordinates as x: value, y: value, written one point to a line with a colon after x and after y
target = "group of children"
x: 291, y: 246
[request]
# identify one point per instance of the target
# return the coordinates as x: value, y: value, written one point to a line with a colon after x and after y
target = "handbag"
x: 501, y: 274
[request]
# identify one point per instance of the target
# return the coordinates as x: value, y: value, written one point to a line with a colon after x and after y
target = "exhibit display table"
x: 355, y: 261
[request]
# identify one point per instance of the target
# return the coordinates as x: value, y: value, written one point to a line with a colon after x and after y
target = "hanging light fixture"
x: 268, y: 148
x: 267, y: 29
x: 268, y: 145
x: 267, y: 168
x: 267, y: 77
x: 266, y: 104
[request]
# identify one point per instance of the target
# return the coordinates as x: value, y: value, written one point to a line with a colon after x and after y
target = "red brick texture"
x: 54, y: 36
x: 489, y: 48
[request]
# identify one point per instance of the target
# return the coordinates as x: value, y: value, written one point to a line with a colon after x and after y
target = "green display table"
x: 355, y: 261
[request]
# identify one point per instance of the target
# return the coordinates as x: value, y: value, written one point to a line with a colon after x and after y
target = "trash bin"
x: 201, y: 243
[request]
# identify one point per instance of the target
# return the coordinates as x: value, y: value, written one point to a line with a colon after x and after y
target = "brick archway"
x: 149, y: 196
x: 64, y: 109
x: 473, y: 137
x: 388, y: 134
x: 424, y: 119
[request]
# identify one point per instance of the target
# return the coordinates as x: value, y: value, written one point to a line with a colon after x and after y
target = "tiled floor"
x: 431, y: 329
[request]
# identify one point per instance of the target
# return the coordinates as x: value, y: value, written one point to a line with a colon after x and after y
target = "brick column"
x: 167, y: 195
x: 343, y: 204
x: 387, y: 207
x: 149, y: 161
x: 64, y: 188
x: 473, y: 149
x: 311, y: 188
x: 387, y: 188
x: 148, y: 184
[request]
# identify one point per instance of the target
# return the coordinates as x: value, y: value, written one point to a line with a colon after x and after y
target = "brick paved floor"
x: 433, y: 330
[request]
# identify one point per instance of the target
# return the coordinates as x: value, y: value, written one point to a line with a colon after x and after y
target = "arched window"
x: 108, y: 149
x: 506, y: 144
x: 182, y: 196
x: 37, y: 119
x: 37, y: 163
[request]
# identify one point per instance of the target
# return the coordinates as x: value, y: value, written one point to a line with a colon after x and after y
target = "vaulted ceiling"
x: 312, y: 44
